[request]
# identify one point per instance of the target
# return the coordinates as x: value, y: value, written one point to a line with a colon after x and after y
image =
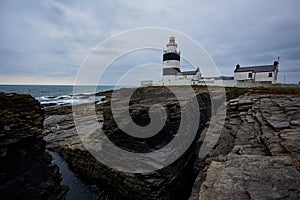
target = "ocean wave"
x: 69, y: 99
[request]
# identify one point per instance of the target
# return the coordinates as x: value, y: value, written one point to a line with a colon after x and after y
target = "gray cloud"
x: 52, y: 38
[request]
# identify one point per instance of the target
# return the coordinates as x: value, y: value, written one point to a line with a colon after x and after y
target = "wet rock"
x: 295, y: 122
x: 6, y: 128
x: 279, y: 124
x: 26, y: 171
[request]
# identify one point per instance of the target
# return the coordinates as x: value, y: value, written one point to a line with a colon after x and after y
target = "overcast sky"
x: 46, y: 41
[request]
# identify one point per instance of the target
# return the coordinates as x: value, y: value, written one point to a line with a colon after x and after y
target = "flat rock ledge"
x: 258, y: 154
x: 26, y: 171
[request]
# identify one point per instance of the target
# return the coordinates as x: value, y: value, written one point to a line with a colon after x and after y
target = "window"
x: 270, y: 74
x: 249, y: 75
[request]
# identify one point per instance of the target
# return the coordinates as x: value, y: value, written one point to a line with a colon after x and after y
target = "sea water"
x: 77, y: 189
x: 52, y: 95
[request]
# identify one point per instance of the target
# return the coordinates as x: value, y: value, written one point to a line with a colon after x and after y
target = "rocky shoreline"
x: 257, y: 155
x: 172, y: 182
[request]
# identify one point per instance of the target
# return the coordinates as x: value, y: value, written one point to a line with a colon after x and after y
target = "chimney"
x: 237, y: 66
x: 276, y: 63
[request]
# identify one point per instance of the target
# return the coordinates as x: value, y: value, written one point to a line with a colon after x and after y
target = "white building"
x: 257, y: 74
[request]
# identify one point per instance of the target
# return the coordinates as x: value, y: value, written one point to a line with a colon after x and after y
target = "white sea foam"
x: 69, y: 99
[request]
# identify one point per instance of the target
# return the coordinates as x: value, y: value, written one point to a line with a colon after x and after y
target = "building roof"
x: 190, y: 72
x: 263, y: 68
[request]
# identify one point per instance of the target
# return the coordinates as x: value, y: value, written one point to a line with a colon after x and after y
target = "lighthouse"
x: 171, y: 60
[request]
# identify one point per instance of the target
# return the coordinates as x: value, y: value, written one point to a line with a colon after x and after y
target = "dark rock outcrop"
x: 26, y: 171
x: 172, y: 182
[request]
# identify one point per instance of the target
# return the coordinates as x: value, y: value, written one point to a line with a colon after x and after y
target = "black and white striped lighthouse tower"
x: 171, y: 59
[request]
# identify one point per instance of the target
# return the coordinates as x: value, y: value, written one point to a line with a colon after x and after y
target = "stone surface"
x: 26, y: 171
x: 251, y: 177
x: 262, y: 155
x: 256, y: 156
x: 172, y: 182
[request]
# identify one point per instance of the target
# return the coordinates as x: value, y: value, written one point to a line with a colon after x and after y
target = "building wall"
x: 226, y: 83
x: 190, y: 77
x: 171, y: 63
x: 257, y: 77
x: 252, y: 84
x: 196, y: 76
x: 167, y: 82
x: 146, y: 83
x: 264, y: 76
x: 172, y: 77
x: 196, y: 80
x: 212, y: 82
x: 240, y: 76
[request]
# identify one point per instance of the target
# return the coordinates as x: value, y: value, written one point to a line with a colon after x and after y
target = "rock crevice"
x: 172, y: 182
